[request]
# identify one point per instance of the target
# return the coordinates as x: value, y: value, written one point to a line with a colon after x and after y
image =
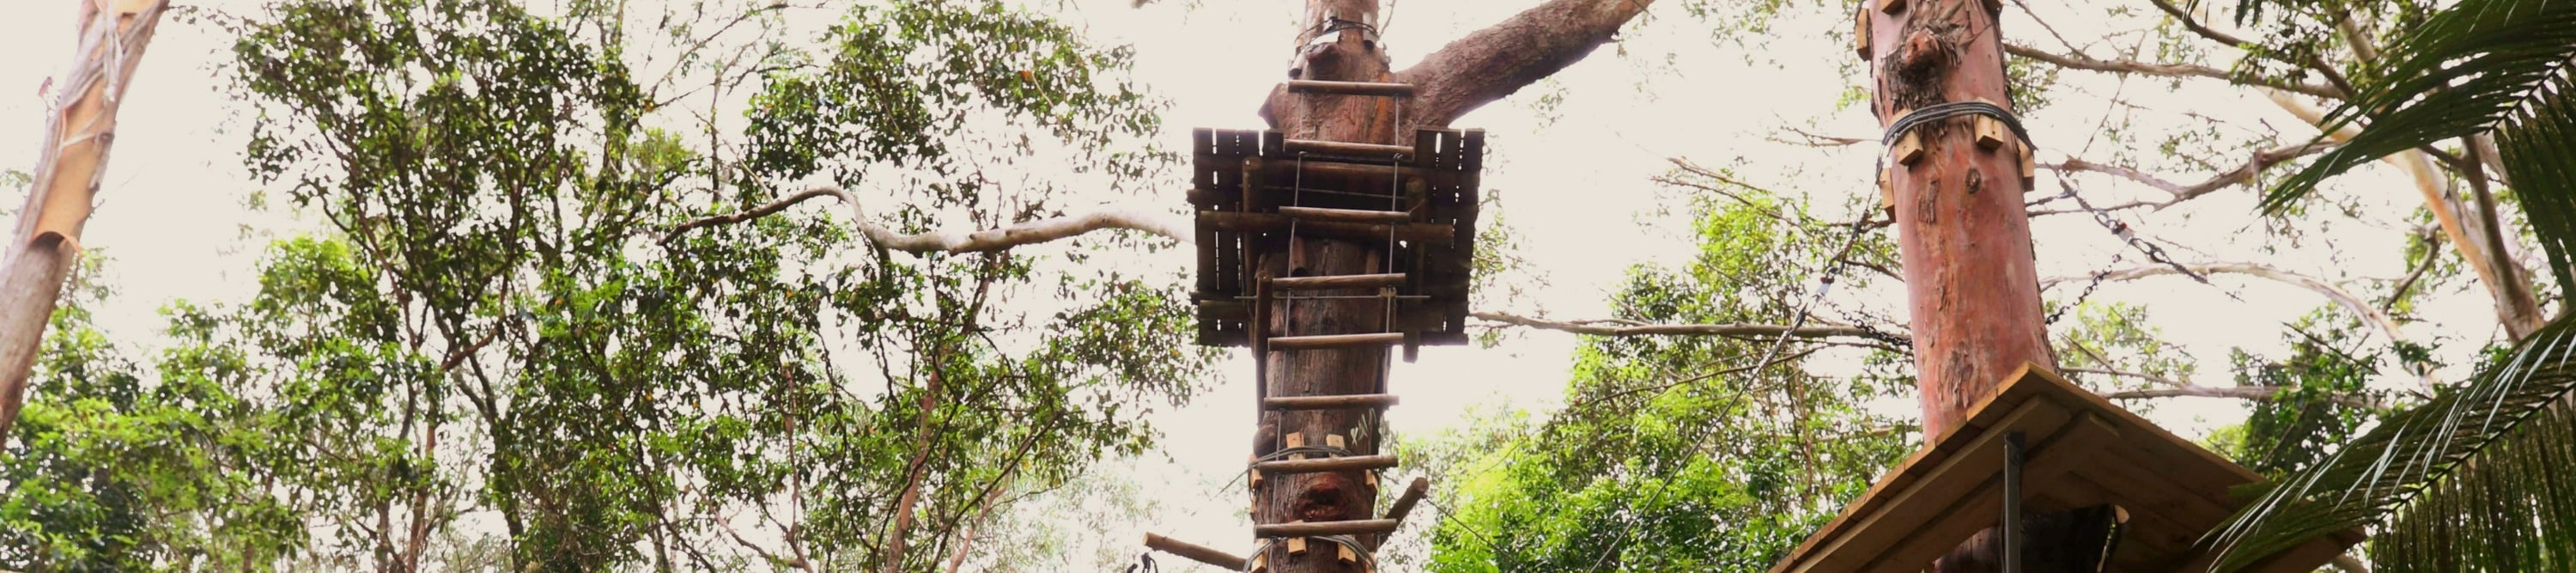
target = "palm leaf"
x: 2477, y: 66
x: 2482, y: 478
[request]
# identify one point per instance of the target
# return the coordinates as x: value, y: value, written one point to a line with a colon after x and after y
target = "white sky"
x: 1575, y: 183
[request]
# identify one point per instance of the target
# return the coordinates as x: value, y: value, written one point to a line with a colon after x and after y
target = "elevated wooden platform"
x: 2081, y: 451
x: 1253, y: 188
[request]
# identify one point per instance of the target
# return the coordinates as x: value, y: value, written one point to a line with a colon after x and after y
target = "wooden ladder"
x: 1273, y: 294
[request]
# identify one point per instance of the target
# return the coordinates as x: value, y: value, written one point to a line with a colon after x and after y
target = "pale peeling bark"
x: 2515, y: 305
x: 78, y: 132
x: 1028, y: 233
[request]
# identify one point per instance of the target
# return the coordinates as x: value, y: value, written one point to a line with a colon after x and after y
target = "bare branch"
x: 1027, y: 233
x: 2180, y: 192
x: 2257, y: 393
x: 2369, y: 314
x: 1617, y: 327
x: 2314, y: 62
x: 2079, y: 61
x: 1500, y: 59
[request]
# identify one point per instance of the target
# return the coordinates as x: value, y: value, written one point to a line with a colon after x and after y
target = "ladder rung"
x: 1435, y: 234
x: 1350, y: 88
x: 1341, y: 402
x: 1335, y: 464
x: 1345, y: 215
x: 1348, y: 149
x: 1323, y: 528
x: 1338, y: 281
x: 1327, y: 341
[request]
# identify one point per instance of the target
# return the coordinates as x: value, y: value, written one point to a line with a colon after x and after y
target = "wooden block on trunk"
x: 1909, y: 149
x: 1297, y: 440
x: 1891, y: 7
x: 1860, y: 33
x: 1887, y: 191
x: 1343, y: 553
x: 1260, y: 563
x: 1991, y: 134
x: 2029, y: 169
x: 1296, y: 545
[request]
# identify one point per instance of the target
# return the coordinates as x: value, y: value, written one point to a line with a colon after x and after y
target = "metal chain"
x: 2125, y: 233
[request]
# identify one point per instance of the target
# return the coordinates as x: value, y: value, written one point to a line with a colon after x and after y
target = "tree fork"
x: 1973, y: 289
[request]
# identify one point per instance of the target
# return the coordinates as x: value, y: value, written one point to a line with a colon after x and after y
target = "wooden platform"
x: 1434, y: 180
x: 2081, y: 451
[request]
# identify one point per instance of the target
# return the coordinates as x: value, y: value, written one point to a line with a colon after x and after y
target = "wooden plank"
x: 1339, y: 281
x: 2081, y: 439
x: 1334, y: 464
x: 1330, y: 341
x: 1426, y: 233
x: 1348, y: 149
x: 1194, y: 552
x: 1350, y: 88
x: 1345, y: 215
x: 1322, y: 528
x: 1341, y: 402
x: 1920, y: 502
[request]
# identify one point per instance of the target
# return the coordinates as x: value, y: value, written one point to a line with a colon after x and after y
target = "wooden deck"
x: 1249, y: 186
x: 2080, y: 451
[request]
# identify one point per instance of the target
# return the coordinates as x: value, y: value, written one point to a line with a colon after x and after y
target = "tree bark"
x: 1339, y: 43
x: 1973, y: 288
x: 77, y: 135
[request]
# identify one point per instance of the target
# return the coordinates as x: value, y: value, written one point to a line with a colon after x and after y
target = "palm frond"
x: 2487, y: 463
x: 2470, y: 69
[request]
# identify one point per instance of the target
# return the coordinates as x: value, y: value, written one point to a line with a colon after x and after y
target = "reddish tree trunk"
x: 1972, y: 286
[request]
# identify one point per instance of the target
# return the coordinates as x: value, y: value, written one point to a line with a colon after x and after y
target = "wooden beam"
x: 1348, y: 149
x: 1331, y: 341
x: 1194, y: 552
x: 1435, y: 234
x: 1977, y: 511
x: 1333, y: 464
x: 1350, y: 88
x: 1919, y: 502
x: 1345, y: 215
x: 1342, y: 402
x: 1380, y: 280
x: 1412, y: 495
x: 1321, y: 528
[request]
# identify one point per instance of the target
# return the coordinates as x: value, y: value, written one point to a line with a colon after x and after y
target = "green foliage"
x: 2323, y: 401
x: 1672, y: 455
x: 492, y: 326
x: 112, y: 471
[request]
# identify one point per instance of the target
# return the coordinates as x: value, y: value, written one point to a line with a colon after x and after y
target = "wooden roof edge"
x: 2096, y: 401
x: 2027, y: 381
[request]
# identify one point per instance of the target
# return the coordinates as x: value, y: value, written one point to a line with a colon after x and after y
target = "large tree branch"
x: 1493, y: 62
x: 2080, y: 61
x: 1027, y: 233
x: 1618, y: 327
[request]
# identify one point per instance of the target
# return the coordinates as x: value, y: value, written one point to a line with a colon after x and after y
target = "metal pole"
x: 2012, y: 502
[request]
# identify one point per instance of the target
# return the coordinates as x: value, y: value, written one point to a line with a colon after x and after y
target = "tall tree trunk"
x: 77, y: 133
x: 1972, y: 286
x: 1339, y: 43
